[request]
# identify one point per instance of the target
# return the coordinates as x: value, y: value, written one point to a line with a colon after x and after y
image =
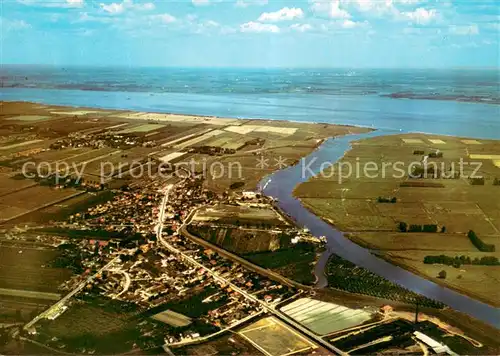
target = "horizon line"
x: 242, y: 67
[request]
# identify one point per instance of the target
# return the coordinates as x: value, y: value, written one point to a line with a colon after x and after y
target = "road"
x: 264, y: 305
x: 249, y: 265
x: 75, y: 291
x: 127, y: 283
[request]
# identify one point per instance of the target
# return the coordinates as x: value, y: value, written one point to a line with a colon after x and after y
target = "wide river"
x: 281, y: 184
x: 387, y: 115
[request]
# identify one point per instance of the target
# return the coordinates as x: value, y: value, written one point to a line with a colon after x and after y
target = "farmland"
x: 273, y: 338
x: 27, y: 283
x: 20, y: 309
x: 232, y: 344
x: 29, y: 270
x: 103, y: 325
x: 142, y: 128
x: 370, y: 206
x: 31, y: 199
x: 94, y: 143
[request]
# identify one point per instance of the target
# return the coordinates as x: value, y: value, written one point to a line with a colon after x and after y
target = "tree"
x: 403, y: 227
x: 442, y: 274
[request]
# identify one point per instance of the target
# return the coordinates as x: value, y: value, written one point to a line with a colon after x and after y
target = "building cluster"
x: 195, y: 282
x: 151, y: 276
x: 128, y: 212
x: 102, y: 139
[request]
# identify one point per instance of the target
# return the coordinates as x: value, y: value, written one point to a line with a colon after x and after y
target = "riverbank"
x: 281, y: 185
x: 369, y: 205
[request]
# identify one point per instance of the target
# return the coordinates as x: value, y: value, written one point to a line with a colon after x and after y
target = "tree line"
x: 404, y: 227
x: 387, y: 200
x: 458, y: 261
x: 480, y: 245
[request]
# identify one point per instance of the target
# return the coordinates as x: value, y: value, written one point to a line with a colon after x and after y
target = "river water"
x: 281, y: 184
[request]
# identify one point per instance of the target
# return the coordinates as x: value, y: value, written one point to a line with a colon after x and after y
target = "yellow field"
x: 492, y: 157
x: 179, y: 118
x: 412, y: 140
x: 199, y: 139
x: 437, y: 142
x: 246, y: 129
x: 471, y: 142
x: 142, y: 128
x: 273, y: 338
x: 171, y: 156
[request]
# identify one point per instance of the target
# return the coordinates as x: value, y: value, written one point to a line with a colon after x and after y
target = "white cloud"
x: 113, y: 8
x: 205, y: 27
x: 258, y: 27
x: 304, y: 27
x: 329, y: 8
x: 211, y: 23
x: 285, y: 14
x: 164, y: 18
x: 62, y: 3
x: 350, y: 24
x: 408, y: 2
x: 85, y: 17
x: 200, y: 2
x: 420, y: 16
x: 389, y: 9
x: 148, y: 6
x: 372, y: 7
x: 118, y: 8
x: 75, y: 3
x: 246, y: 3
x: 468, y: 30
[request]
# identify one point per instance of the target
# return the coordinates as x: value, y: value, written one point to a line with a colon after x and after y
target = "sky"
x: 252, y: 33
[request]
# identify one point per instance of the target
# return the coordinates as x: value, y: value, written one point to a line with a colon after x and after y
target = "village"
x: 139, y: 270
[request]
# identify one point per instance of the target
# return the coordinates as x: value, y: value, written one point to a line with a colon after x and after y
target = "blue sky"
x: 252, y: 33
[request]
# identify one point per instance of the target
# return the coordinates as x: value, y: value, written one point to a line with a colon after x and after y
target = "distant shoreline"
x: 107, y: 110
